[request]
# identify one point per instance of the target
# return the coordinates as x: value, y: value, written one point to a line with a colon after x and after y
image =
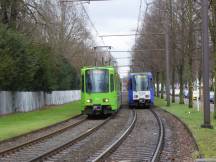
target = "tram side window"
x: 116, y: 83
x: 151, y: 84
x: 111, y: 83
x: 130, y: 84
x: 82, y: 83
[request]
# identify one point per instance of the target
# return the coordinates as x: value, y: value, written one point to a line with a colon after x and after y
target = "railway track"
x: 131, y: 145
x: 179, y: 143
x: 11, y: 150
x: 43, y: 147
x: 19, y: 140
x: 84, y: 149
x: 158, y: 150
x: 141, y: 139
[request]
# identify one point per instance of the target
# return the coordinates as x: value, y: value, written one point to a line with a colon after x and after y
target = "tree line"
x: 43, y: 45
x: 183, y: 19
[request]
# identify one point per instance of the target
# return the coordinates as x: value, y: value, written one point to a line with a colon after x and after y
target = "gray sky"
x: 116, y: 17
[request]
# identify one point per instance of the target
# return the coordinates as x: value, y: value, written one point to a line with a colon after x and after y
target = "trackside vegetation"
x: 206, y: 138
x: 20, y: 123
x: 43, y: 45
x: 32, y: 66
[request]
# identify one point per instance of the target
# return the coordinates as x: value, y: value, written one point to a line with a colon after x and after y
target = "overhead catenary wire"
x: 81, y: 0
x: 145, y: 15
x: 95, y: 29
x: 123, y: 58
x: 143, y: 50
x: 86, y: 13
x: 139, y: 17
x: 129, y: 35
x: 122, y: 35
x: 91, y: 23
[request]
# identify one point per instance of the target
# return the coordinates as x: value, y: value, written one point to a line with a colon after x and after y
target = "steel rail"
x: 37, y: 140
x: 118, y: 141
x: 187, y: 128
x: 68, y: 144
x: 159, y: 148
x: 40, y: 129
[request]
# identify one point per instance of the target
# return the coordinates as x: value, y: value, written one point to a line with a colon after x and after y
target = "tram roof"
x: 98, y: 67
x: 146, y: 73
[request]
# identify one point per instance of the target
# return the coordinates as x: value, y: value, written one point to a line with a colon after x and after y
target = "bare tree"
x: 184, y: 42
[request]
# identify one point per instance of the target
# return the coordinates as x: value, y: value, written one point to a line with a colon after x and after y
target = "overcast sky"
x: 115, y: 17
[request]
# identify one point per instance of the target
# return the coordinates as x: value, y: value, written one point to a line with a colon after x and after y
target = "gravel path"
x: 141, y: 142
x: 26, y: 138
x: 179, y: 145
x: 33, y: 151
x: 87, y: 148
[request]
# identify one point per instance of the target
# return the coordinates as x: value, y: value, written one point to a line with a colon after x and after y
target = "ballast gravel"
x: 141, y: 143
x: 179, y: 146
x: 36, y: 134
x: 86, y: 149
x: 33, y: 151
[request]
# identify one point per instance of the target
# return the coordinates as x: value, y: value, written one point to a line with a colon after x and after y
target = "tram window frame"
x: 111, y: 83
x: 130, y: 84
x: 150, y: 83
x: 83, y: 82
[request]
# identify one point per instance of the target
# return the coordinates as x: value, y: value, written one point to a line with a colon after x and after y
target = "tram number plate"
x: 141, y: 101
x: 97, y: 108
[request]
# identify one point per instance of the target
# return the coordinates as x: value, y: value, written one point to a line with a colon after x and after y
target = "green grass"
x: 19, y: 123
x: 206, y: 138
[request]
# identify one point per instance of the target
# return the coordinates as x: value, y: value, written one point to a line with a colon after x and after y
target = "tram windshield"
x: 97, y: 81
x: 140, y: 83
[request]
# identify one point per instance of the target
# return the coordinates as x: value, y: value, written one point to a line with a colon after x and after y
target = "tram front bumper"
x: 98, y: 109
x: 142, y: 102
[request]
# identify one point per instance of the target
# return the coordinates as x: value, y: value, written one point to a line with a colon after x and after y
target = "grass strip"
x: 206, y: 138
x: 19, y: 123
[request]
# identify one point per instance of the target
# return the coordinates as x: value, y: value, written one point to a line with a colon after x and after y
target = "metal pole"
x: 167, y: 61
x: 95, y: 49
x: 197, y: 88
x: 205, y: 46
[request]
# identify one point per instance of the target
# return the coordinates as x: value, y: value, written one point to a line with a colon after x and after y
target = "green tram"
x: 100, y: 90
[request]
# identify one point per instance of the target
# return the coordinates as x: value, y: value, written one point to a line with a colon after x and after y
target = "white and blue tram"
x: 140, y: 89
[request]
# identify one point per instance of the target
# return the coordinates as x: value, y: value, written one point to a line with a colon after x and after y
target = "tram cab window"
x: 140, y: 83
x: 97, y: 81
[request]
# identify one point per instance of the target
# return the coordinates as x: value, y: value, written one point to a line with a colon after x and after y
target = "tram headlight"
x: 105, y: 100
x: 147, y: 96
x: 89, y: 101
x: 136, y: 96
